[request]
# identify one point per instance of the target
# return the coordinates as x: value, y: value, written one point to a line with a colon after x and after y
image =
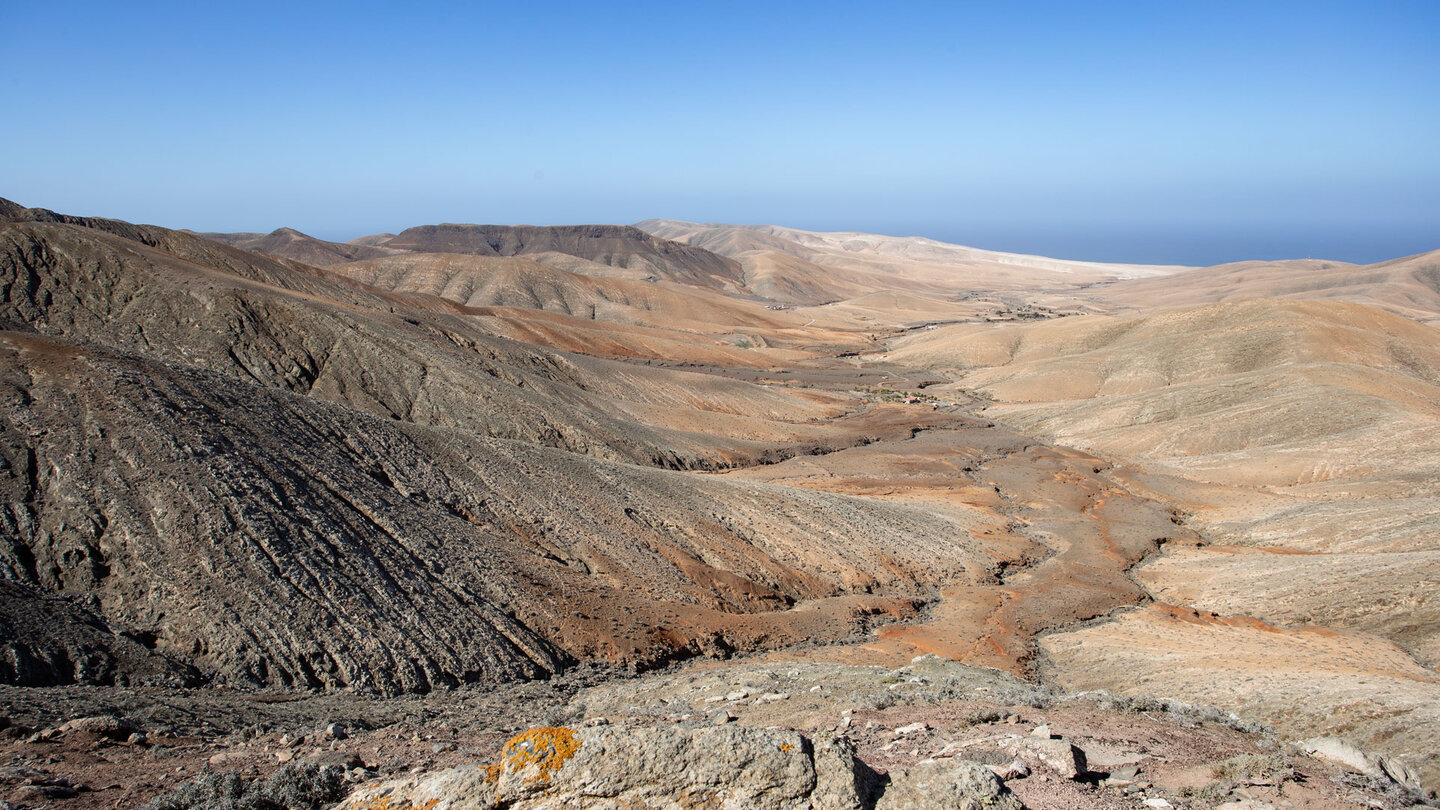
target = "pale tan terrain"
x: 1396, y: 594
x: 668, y: 320
x: 515, y: 453
x: 1301, y: 680
x: 808, y: 267
x: 1409, y: 286
x: 1301, y: 438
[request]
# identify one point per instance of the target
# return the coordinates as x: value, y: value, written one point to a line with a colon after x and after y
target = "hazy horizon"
x: 1129, y: 131
x: 1197, y: 247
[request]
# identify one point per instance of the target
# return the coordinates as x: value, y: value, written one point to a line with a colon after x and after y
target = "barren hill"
x: 289, y: 243
x: 612, y: 246
x: 488, y: 281
x: 500, y: 453
x: 1300, y: 437
x: 268, y: 538
x: 1409, y: 286
x: 1280, y: 392
x: 281, y: 477
x: 807, y: 267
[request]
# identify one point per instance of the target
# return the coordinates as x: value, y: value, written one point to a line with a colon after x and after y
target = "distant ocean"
x: 1201, y: 246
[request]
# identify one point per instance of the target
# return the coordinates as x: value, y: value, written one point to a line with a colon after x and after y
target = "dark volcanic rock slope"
x: 223, y: 466
x: 201, y: 304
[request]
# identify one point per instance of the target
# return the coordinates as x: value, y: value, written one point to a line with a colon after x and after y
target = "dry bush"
x: 297, y: 786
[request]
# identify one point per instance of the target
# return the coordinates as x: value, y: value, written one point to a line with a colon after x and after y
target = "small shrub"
x: 1211, y: 794
x: 976, y: 717
x: 1251, y: 768
x: 297, y: 786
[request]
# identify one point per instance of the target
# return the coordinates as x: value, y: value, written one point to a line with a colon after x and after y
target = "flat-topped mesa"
x: 614, y: 245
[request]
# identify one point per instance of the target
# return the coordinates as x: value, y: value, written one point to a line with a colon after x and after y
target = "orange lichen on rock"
x: 545, y: 748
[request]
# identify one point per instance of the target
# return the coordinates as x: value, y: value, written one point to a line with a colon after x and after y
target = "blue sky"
x: 1148, y: 131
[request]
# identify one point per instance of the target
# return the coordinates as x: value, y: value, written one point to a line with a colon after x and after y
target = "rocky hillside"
x: 250, y: 471
x: 225, y: 471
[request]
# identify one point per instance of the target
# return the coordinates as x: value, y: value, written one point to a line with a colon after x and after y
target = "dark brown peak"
x: 11, y: 211
x: 290, y: 232
x: 15, y: 212
x: 144, y: 234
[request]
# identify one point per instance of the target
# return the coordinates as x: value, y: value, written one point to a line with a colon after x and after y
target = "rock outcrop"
x: 676, y: 768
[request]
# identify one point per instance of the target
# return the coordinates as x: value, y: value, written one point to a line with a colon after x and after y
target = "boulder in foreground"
x: 679, y: 768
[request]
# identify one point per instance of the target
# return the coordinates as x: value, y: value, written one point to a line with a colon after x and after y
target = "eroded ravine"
x: 1061, y: 535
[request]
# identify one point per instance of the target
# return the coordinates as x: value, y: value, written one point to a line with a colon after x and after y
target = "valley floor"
x: 1059, y: 614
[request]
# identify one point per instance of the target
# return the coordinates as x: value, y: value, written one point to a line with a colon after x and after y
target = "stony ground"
x: 1052, y: 750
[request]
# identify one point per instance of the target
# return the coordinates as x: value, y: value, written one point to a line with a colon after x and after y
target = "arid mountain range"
x: 476, y: 454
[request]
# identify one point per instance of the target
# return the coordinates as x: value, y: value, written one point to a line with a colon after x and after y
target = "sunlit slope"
x: 486, y: 281
x: 808, y: 267
x: 1409, y: 286
x: 1265, y: 392
x: 1306, y: 434
x: 611, y: 246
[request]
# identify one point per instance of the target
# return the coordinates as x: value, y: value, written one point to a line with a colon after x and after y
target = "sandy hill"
x: 807, y: 267
x: 373, y: 240
x: 1409, y: 286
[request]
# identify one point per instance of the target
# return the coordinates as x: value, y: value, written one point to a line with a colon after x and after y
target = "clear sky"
x: 1158, y: 131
